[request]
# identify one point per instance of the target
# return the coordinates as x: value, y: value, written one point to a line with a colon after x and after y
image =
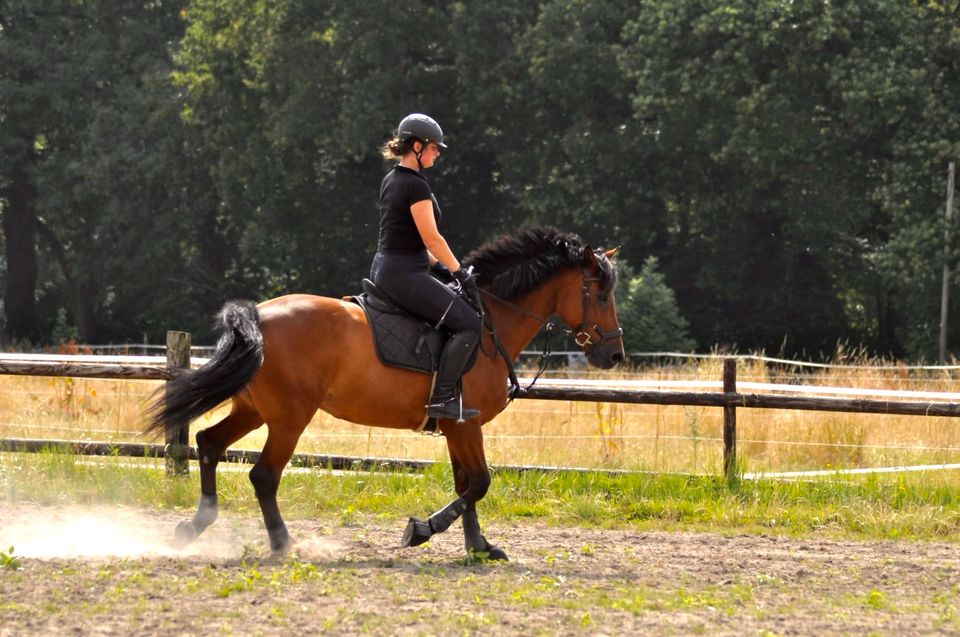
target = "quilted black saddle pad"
x: 401, y: 339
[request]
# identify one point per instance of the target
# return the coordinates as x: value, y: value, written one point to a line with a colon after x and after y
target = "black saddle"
x: 400, y: 338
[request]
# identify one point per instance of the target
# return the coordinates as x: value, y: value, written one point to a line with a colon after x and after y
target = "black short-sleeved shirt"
x: 401, y: 188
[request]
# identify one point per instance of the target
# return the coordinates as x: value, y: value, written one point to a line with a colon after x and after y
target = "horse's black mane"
x: 516, y: 263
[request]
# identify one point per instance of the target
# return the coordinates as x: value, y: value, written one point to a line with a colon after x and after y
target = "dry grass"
x: 646, y: 437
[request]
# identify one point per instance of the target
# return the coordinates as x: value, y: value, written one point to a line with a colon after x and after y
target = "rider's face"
x: 429, y: 155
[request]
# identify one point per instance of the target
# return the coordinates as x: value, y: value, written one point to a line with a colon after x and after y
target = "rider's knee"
x: 469, y: 337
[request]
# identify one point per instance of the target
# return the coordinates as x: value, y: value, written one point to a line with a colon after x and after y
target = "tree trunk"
x: 82, y: 298
x: 20, y: 234
x: 81, y: 293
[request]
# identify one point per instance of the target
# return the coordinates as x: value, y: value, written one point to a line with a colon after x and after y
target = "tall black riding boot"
x: 444, y: 402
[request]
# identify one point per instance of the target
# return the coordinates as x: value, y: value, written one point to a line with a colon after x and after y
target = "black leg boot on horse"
x: 445, y: 403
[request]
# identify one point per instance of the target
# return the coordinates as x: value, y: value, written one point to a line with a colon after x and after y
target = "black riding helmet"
x: 422, y: 127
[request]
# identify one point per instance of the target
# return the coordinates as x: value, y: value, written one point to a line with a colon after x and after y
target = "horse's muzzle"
x: 606, y: 355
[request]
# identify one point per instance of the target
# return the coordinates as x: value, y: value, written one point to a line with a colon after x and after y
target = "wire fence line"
x: 792, y: 362
x: 777, y: 379
x: 627, y: 391
x: 567, y: 355
x: 542, y: 437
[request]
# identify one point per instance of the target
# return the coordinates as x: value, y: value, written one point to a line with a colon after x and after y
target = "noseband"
x: 580, y: 334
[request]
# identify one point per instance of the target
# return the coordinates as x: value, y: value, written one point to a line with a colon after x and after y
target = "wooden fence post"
x: 730, y: 420
x: 176, y: 451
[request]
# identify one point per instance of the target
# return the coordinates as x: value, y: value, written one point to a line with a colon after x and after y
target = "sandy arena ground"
x: 109, y: 571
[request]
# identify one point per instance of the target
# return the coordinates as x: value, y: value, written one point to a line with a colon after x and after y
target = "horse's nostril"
x: 617, y: 358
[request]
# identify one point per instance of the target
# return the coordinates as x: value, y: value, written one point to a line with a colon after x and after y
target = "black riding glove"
x: 469, y: 285
x: 441, y: 272
x: 465, y: 278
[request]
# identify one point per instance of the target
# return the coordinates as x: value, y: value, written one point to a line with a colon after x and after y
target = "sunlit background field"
x: 569, y: 434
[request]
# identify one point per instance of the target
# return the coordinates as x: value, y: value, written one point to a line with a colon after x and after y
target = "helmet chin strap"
x: 423, y: 147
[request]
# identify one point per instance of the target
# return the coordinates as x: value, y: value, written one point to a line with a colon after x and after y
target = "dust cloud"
x: 109, y: 532
x: 75, y: 532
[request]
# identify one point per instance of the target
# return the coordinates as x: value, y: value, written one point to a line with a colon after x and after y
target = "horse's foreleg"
x: 460, y: 440
x: 473, y: 538
x: 472, y: 479
x: 211, y: 443
x: 419, y: 531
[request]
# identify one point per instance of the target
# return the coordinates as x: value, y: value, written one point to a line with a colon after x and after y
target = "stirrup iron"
x: 458, y: 400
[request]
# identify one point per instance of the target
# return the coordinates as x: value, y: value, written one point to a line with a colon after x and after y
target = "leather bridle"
x: 580, y: 334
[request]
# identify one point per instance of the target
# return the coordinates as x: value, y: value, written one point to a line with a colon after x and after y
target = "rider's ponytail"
x: 396, y: 148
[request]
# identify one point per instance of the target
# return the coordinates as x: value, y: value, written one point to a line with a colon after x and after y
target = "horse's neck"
x: 517, y: 328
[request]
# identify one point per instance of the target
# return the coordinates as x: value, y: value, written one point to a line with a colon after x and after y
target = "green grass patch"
x: 9, y: 561
x: 899, y: 506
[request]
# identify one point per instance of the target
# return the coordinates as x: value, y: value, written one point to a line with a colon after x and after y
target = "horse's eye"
x: 602, y: 298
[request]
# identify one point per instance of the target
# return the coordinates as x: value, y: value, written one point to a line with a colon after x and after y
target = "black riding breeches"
x: 407, y: 281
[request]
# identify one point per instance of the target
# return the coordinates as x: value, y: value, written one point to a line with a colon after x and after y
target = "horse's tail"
x: 236, y: 360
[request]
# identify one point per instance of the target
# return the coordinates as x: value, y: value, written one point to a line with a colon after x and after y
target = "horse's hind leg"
x: 265, y: 477
x: 211, y: 443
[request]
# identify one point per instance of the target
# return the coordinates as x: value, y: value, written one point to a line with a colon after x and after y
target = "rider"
x: 410, y: 246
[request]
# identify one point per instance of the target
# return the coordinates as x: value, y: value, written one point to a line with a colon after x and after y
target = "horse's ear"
x: 589, y: 256
x: 612, y: 252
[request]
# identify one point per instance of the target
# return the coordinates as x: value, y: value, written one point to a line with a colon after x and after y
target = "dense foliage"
x: 783, y: 163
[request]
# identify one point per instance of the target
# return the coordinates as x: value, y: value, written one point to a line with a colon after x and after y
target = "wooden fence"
x: 177, y: 450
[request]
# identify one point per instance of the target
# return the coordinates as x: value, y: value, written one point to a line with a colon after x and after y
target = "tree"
x: 293, y: 100
x: 573, y: 153
x: 909, y: 93
x: 773, y: 152
x: 648, y: 312
x: 783, y: 162
x: 63, y: 95
x: 18, y: 143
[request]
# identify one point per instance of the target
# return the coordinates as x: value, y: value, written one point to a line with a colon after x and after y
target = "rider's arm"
x: 437, y: 247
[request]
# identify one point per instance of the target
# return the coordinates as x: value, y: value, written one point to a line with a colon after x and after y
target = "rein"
x: 544, y: 356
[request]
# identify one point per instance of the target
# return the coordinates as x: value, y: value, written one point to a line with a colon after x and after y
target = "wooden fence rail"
x: 84, y: 370
x: 134, y: 450
x: 177, y: 451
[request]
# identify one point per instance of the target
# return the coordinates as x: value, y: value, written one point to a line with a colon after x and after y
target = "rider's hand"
x: 469, y: 285
x: 466, y: 280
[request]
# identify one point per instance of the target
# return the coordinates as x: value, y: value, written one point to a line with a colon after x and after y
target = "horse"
x: 280, y: 361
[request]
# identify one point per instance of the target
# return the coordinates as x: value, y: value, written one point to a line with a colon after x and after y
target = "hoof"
x: 280, y: 541
x: 281, y: 550
x: 417, y: 532
x: 185, y: 533
x: 490, y: 554
x: 496, y: 553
